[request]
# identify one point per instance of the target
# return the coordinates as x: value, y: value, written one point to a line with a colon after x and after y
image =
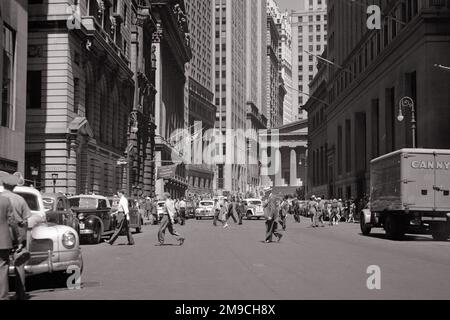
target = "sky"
x: 288, y: 4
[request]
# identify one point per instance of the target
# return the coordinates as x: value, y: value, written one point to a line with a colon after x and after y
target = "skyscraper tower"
x: 309, y: 36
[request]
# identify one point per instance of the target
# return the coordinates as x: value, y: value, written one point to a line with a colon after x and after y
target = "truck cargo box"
x: 411, y: 180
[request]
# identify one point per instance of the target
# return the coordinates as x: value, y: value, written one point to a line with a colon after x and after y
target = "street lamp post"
x: 54, y: 177
x: 407, y: 102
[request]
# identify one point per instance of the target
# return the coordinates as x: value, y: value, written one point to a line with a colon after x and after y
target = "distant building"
x: 255, y: 88
x: 13, y: 47
x: 202, y: 111
x: 273, y: 109
x: 230, y: 94
x: 309, y: 33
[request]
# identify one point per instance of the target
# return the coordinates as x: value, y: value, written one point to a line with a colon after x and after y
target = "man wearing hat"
x: 20, y: 215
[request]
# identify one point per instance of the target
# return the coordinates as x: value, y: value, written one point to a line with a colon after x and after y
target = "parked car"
x: 205, y: 210
x: 254, y: 209
x: 94, y: 215
x: 53, y: 247
x: 57, y: 210
x: 190, y: 210
x: 136, y: 219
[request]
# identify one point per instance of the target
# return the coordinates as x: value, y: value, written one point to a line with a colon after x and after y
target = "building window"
x: 76, y: 95
x: 339, y: 150
x: 34, y: 87
x: 8, y: 77
x: 348, y: 145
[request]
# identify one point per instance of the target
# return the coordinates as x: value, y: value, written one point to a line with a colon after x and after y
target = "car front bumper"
x: 50, y: 266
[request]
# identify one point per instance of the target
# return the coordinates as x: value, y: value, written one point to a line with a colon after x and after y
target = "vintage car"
x: 94, y: 215
x: 254, y: 209
x: 57, y: 210
x: 205, y: 210
x: 53, y: 248
x: 136, y: 219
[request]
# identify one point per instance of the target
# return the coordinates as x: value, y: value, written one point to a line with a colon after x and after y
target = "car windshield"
x: 254, y: 202
x: 31, y: 200
x: 206, y: 203
x: 48, y: 203
x: 84, y: 203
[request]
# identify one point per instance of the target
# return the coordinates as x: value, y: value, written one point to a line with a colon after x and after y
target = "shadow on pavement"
x: 408, y: 237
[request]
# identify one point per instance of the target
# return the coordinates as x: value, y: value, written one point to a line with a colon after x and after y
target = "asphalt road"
x: 234, y: 263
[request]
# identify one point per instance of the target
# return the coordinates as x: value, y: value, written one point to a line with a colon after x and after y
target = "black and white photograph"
x: 224, y: 156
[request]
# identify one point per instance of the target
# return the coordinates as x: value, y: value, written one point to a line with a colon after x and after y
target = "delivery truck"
x: 409, y: 193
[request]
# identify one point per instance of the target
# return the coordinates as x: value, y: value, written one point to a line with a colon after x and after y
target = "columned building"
x: 290, y: 158
x: 201, y: 108
x: 80, y: 95
x: 172, y: 52
x: 378, y: 69
x: 13, y: 47
x: 141, y: 139
x: 320, y: 179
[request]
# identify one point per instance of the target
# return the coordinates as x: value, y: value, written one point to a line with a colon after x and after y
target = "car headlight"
x: 69, y: 240
x: 81, y: 216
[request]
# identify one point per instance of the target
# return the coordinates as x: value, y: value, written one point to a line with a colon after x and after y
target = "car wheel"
x: 97, y: 235
x: 365, y: 228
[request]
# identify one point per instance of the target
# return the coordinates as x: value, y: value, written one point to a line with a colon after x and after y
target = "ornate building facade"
x: 172, y: 52
x: 80, y: 94
x: 13, y: 47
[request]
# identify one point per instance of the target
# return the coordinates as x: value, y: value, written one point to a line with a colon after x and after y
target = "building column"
x: 278, y: 168
x: 72, y: 167
x: 293, y: 169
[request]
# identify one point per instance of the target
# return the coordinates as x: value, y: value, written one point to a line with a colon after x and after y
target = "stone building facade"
x: 13, y: 47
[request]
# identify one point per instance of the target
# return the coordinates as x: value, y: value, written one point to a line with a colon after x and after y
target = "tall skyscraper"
x: 285, y: 58
x: 199, y: 88
x: 274, y: 85
x: 230, y: 94
x: 255, y: 89
x: 309, y: 38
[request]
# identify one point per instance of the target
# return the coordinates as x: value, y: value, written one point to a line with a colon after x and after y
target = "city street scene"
x: 225, y: 150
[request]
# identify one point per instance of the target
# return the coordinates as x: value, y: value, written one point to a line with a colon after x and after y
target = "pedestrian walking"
x: 240, y: 210
x: 271, y: 213
x: 148, y: 207
x: 284, y: 209
x: 182, y: 212
x: 313, y: 208
x: 19, y: 218
x: 351, y: 215
x: 124, y: 227
x: 232, y: 211
x: 340, y: 211
x: 168, y: 221
x: 320, y: 211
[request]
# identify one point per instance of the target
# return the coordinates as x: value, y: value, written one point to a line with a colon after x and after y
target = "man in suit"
x: 271, y: 212
x: 6, y: 243
x: 20, y: 215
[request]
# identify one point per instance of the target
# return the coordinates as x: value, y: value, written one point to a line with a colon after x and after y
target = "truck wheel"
x: 441, y: 232
x: 394, y: 227
x: 365, y: 228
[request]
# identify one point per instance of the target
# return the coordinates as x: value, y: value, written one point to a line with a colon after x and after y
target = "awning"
x: 170, y: 171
